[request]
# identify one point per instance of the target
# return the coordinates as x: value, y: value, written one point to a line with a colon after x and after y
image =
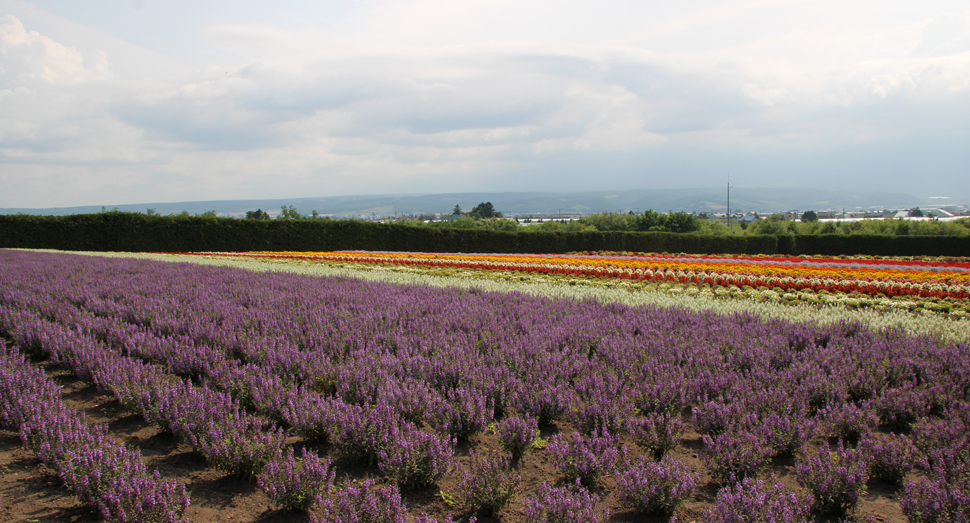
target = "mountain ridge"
x: 662, y: 200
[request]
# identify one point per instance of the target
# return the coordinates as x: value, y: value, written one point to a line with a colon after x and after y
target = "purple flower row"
x: 100, y: 471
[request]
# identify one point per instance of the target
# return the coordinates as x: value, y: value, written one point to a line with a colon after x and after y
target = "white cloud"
x: 430, y: 95
x: 30, y: 59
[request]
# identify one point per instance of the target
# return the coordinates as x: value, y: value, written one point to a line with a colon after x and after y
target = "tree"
x: 289, y: 212
x: 484, y: 210
x: 774, y: 224
x: 456, y: 211
x: 683, y: 222
x: 208, y: 214
x: 611, y: 221
x: 809, y: 217
x: 650, y: 220
x: 258, y: 214
x: 915, y: 213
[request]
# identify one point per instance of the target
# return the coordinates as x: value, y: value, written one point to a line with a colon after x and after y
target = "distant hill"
x: 661, y: 200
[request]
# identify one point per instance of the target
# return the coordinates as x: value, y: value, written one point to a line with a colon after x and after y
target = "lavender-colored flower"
x: 734, y: 456
x: 849, y: 421
x: 415, y: 458
x: 517, y: 434
x: 585, y: 458
x: 889, y: 456
x: 569, y: 504
x: 364, y: 504
x: 488, y: 483
x: 901, y: 407
x: 786, y: 433
x: 716, y: 417
x: 936, y: 501
x: 656, y: 433
x: 655, y: 488
x: 241, y: 446
x: 835, y: 477
x: 461, y: 413
x: 296, y: 484
x: 145, y: 500
x: 755, y: 501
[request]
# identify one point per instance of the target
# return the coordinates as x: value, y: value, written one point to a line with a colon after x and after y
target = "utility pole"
x: 729, y: 203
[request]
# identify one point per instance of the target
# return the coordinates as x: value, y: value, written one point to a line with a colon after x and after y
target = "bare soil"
x: 30, y: 492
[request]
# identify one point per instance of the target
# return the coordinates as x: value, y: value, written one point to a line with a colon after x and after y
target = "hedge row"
x: 130, y: 232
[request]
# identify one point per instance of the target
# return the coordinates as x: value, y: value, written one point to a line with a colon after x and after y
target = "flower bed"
x: 938, y: 285
x: 397, y: 378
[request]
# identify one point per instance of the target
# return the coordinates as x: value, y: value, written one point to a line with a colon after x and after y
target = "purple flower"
x: 364, y: 504
x: 517, y: 434
x: 569, y: 504
x: 734, y: 456
x: 752, y: 500
x: 488, y: 484
x: 655, y: 488
x: 414, y: 458
x: 585, y: 458
x: 296, y: 483
x: 835, y: 477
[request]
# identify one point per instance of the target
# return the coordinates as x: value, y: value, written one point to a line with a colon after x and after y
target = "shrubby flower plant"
x: 757, y: 501
x: 736, y: 455
x: 569, y: 504
x: 835, y: 477
x: 585, y: 458
x: 366, y: 503
x: 297, y: 484
x: 655, y: 487
x: 889, y: 456
x: 656, y: 433
x: 517, y: 434
x: 416, y: 458
x: 488, y: 483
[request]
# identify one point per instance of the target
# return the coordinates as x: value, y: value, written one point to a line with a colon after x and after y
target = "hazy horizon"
x: 146, y: 101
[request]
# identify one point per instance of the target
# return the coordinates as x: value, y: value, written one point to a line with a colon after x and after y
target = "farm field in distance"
x: 636, y: 387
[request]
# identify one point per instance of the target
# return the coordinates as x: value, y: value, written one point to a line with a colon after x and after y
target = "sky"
x: 124, y: 101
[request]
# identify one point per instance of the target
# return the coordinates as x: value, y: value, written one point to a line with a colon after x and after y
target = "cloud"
x: 427, y: 95
x: 31, y: 60
x: 946, y: 35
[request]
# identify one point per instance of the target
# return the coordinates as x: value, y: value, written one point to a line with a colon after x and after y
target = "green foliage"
x: 456, y: 211
x: 482, y: 211
x: 497, y: 224
x: 462, y: 222
x: 258, y: 214
x: 713, y: 227
x: 774, y: 224
x: 809, y: 217
x: 137, y: 232
x: 557, y: 226
x: 610, y: 221
x: 289, y: 212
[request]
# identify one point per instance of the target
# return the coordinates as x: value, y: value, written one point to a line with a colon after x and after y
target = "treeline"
x: 683, y: 222
x: 132, y: 232
x: 886, y: 227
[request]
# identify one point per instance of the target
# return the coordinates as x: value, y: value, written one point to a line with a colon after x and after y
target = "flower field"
x: 932, y: 285
x: 273, y: 396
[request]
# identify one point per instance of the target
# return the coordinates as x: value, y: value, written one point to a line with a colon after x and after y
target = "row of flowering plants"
x: 940, y: 285
x: 396, y: 379
x: 101, y: 472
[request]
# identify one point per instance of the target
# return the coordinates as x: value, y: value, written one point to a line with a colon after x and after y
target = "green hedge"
x: 129, y: 232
